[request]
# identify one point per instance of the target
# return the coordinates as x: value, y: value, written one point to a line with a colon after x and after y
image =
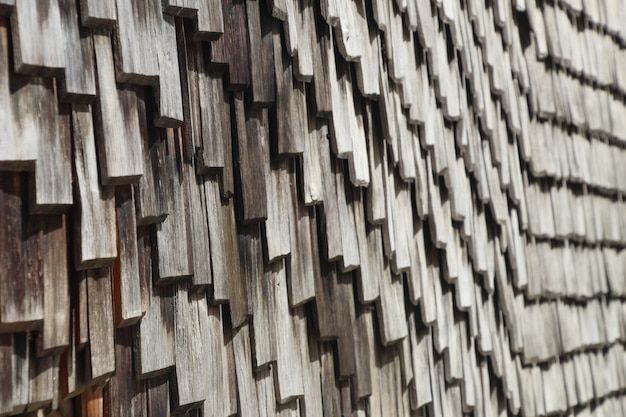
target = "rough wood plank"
x: 331, y: 223
x: 189, y: 391
x: 22, y: 302
x: 262, y: 331
x: 151, y: 197
x: 367, y: 282
x: 6, y: 371
x: 290, y: 119
x: 18, y: 152
x: 158, y: 322
x: 36, y: 34
x: 250, y: 129
x: 311, y: 174
x: 42, y: 374
x: 235, y: 282
x: 202, y: 274
x: 215, y: 123
x: 136, y: 55
x: 98, y: 13
x: 158, y: 397
x: 167, y: 89
x: 101, y: 327
x: 363, y: 384
x: 215, y: 404
x: 320, y: 41
x: 79, y: 84
x: 350, y: 247
x: 52, y: 176
x: 377, y: 155
x: 173, y: 243
x: 340, y: 127
x: 95, y: 213
x: 116, y: 124
x: 210, y: 22
x: 260, y: 38
x: 183, y: 8
x: 126, y: 281
x: 125, y: 395
x: 288, y: 371
x: 235, y: 44
x: 56, y: 282
x: 243, y: 365
x: 391, y: 317
x: 330, y: 390
x: 300, y: 269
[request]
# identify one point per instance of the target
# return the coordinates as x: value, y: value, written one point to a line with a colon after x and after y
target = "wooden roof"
x: 307, y: 208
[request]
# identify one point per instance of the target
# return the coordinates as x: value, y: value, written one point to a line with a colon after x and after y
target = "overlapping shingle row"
x: 303, y: 208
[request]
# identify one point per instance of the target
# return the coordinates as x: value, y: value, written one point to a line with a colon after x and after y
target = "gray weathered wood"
x: 260, y: 37
x: 52, y: 176
x: 243, y: 366
x: 312, y: 185
x: 157, y: 323
x: 125, y: 272
x: 95, y: 219
x: 174, y: 246
x: 290, y: 127
x: 183, y: 8
x: 151, y: 196
x: 189, y: 391
x: 101, y: 328
x: 300, y: 269
x: 288, y: 370
x: 79, y: 84
x: 36, y: 32
x: 214, y: 348
x: 116, y: 125
x: 168, y: 87
x: 249, y: 161
x: 98, y: 14
x: 136, y: 55
x: 132, y: 394
x: 55, y: 337
x: 202, y: 274
x: 210, y: 22
x: 22, y: 302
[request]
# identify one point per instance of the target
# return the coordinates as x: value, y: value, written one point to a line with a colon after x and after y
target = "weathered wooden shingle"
x: 298, y: 208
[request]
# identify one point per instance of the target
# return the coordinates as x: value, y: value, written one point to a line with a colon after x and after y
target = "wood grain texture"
x: 56, y: 283
x: 22, y: 300
x: 116, y: 125
x: 184, y: 8
x: 289, y: 116
x: 137, y: 60
x: 168, y: 87
x: 175, y: 256
x: 125, y: 272
x: 210, y: 21
x: 249, y: 162
x: 293, y: 208
x: 132, y: 393
x: 52, y: 176
x: 150, y: 199
x: 101, y: 327
x: 34, y: 32
x: 98, y: 14
x: 202, y: 274
x: 95, y: 212
x: 261, y: 51
x: 158, y: 322
x: 79, y: 84
x: 235, y: 44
